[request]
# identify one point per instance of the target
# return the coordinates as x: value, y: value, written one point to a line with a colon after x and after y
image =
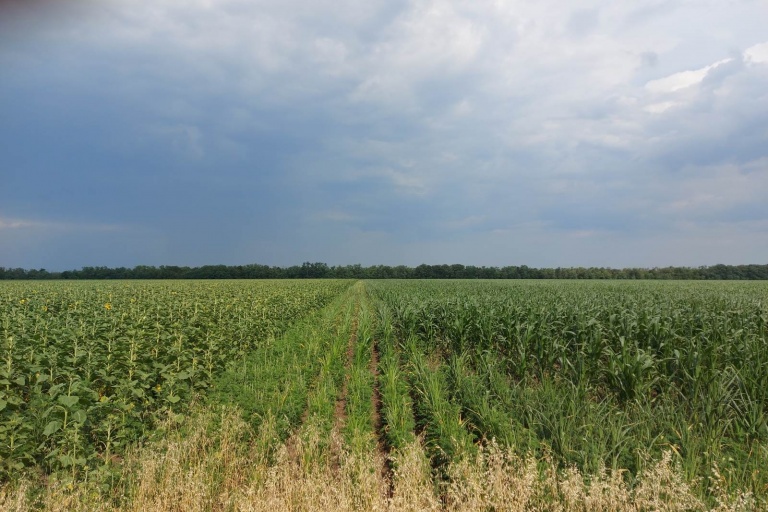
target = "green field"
x: 88, y: 368
x: 385, y: 394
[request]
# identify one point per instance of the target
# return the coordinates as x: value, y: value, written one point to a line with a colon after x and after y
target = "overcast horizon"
x: 487, y: 133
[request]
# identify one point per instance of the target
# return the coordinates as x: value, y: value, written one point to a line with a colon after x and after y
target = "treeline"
x: 322, y: 270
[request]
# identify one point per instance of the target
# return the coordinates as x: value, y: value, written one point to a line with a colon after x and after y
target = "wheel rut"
x: 337, y: 443
x: 382, y: 447
x: 291, y: 444
x: 340, y: 408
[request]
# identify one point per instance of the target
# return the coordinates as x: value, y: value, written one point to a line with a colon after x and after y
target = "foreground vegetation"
x: 392, y: 395
x: 88, y: 369
x: 219, y: 462
x: 598, y: 375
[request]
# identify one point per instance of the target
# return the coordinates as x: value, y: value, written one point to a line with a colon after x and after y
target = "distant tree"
x: 456, y: 271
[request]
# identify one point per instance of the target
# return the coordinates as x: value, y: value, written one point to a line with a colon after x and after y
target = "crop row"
x: 88, y: 368
x: 594, y: 374
x: 590, y: 375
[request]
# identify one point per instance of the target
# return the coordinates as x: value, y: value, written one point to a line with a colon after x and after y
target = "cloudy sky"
x: 485, y: 132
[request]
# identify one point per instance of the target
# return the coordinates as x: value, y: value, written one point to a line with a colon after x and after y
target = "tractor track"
x: 382, y: 447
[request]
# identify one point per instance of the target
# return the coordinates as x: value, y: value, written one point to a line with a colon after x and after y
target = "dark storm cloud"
x: 381, y: 132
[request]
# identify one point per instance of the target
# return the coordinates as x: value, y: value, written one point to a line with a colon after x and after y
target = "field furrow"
x: 385, y: 395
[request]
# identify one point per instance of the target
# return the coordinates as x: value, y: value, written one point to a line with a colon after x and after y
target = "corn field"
x: 384, y: 395
x: 592, y: 374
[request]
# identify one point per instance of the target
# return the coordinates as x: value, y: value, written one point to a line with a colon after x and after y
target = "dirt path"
x: 336, y: 446
x: 382, y: 448
x: 291, y: 444
x: 340, y: 411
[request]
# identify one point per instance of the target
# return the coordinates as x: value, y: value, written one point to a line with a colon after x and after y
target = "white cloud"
x: 21, y: 224
x: 18, y: 224
x: 757, y: 53
x: 658, y: 108
x: 563, y: 118
x: 682, y: 79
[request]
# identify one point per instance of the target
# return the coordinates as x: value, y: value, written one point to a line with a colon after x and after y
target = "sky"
x: 482, y: 132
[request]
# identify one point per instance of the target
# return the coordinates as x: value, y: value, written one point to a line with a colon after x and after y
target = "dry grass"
x: 229, y: 467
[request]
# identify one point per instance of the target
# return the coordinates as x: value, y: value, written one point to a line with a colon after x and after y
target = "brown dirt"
x: 340, y: 409
x: 292, y: 442
x: 382, y: 456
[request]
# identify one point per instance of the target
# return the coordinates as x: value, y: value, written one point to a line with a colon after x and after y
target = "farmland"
x: 89, y: 369
x: 384, y: 394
